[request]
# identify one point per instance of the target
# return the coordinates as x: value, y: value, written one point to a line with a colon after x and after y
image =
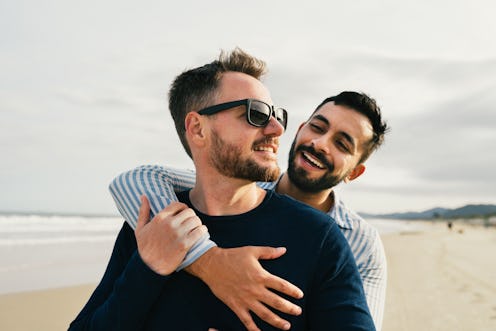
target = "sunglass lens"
x: 259, y: 113
x: 281, y: 116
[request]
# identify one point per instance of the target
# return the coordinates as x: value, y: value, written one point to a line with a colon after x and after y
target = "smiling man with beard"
x: 227, y: 124
x: 329, y: 148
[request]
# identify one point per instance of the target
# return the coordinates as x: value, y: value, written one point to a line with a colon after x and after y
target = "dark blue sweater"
x: 318, y: 260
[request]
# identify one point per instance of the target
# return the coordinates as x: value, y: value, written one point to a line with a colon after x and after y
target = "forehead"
x: 238, y: 86
x: 344, y: 119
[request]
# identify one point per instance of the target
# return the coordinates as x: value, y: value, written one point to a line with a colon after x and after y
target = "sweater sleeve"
x: 338, y: 298
x: 126, y: 293
x: 159, y: 184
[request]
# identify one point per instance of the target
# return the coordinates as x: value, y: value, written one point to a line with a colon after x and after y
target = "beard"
x: 227, y: 159
x: 299, y: 176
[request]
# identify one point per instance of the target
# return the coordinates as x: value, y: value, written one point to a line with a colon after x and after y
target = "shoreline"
x: 40, y: 253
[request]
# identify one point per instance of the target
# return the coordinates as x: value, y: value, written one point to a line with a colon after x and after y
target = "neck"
x: 217, y: 195
x: 322, y: 200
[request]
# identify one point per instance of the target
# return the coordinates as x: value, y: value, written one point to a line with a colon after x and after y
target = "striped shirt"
x: 159, y: 184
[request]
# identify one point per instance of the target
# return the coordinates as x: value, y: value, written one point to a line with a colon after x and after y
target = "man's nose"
x: 321, y: 144
x: 274, y: 128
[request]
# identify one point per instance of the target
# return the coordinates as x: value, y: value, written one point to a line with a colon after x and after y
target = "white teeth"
x: 313, y: 160
x: 265, y: 149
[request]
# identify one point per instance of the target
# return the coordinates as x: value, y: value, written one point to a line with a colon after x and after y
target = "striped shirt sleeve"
x: 158, y: 184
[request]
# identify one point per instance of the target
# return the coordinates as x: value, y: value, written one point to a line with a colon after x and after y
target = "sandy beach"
x: 438, y: 280
x: 441, y: 280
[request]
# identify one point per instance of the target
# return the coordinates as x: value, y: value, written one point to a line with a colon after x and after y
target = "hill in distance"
x: 468, y: 211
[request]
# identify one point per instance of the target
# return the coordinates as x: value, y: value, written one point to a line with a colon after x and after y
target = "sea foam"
x: 40, y: 229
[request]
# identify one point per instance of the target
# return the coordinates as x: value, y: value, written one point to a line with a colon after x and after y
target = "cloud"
x: 83, y: 88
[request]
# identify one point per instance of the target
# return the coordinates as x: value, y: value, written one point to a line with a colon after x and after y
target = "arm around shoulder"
x: 158, y: 184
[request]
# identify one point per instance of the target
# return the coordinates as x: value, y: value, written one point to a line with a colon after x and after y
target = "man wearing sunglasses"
x: 231, y: 149
x: 330, y: 147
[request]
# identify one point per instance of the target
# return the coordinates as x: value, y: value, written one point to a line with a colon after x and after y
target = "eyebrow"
x: 321, y: 118
x: 342, y: 133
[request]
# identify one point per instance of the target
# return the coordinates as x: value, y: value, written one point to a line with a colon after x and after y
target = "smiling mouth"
x: 267, y: 147
x: 264, y: 149
x: 313, y: 161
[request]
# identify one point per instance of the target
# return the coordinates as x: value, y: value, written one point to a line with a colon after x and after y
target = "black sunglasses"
x: 258, y: 112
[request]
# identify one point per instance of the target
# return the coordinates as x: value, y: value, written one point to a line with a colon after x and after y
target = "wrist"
x: 202, y: 265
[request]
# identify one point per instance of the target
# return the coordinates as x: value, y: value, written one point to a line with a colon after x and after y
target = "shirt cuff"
x: 200, y: 248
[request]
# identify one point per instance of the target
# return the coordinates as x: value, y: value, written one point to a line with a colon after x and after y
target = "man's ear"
x: 355, y: 173
x: 195, y: 128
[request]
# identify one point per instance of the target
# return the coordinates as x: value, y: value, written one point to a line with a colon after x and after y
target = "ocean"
x: 39, y: 252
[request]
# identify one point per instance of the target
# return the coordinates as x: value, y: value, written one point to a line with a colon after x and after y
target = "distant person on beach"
x: 224, y: 117
x: 330, y: 147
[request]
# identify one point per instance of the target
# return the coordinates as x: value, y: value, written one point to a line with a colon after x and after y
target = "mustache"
x: 317, y: 155
x: 267, y: 141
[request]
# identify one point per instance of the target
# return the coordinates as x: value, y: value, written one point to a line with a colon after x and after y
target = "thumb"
x: 144, y: 213
x: 268, y: 253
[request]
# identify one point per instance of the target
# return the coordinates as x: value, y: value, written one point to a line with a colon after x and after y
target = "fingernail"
x: 286, y: 326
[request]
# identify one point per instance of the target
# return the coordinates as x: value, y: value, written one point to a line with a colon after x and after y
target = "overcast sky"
x: 83, y: 90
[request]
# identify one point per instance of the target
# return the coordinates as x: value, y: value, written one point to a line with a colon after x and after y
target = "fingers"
x: 268, y: 316
x: 197, y: 233
x: 264, y: 313
x: 275, y: 301
x: 189, y: 236
x: 185, y: 218
x: 283, y: 286
x: 172, y: 209
x: 275, y: 282
x: 245, y: 318
x: 182, y: 223
x: 268, y: 253
x: 236, y: 277
x: 144, y: 213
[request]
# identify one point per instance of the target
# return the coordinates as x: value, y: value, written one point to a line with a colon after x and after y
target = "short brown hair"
x: 196, y: 88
